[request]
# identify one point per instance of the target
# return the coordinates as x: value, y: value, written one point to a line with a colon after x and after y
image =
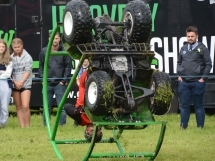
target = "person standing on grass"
x: 59, y: 73
x: 6, y: 67
x: 193, y: 66
x: 22, y: 79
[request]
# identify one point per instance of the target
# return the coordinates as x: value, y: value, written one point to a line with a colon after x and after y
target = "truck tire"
x: 139, y: 15
x: 174, y: 105
x: 156, y: 108
x: 77, y: 22
x: 94, y: 93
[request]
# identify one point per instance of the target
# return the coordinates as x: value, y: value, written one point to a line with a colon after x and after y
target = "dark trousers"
x: 71, y: 112
x: 188, y: 92
x: 57, y: 90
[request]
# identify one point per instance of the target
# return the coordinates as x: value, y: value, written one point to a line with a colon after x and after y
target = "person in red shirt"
x: 77, y: 112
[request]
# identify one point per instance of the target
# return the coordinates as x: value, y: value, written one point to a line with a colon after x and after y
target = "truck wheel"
x: 139, y: 15
x: 77, y: 23
x: 156, y: 107
x: 94, y: 94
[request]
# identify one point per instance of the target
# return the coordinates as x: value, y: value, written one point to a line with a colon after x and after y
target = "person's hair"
x: 6, y: 54
x: 192, y: 29
x: 57, y: 33
x: 17, y: 41
x: 88, y: 137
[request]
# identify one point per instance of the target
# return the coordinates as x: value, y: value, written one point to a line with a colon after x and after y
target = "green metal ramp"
x: 145, y: 116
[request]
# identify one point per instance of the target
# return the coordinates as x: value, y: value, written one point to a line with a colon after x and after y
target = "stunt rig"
x: 122, y: 91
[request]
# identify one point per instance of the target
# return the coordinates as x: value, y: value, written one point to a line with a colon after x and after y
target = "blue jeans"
x: 59, y: 91
x: 188, y: 92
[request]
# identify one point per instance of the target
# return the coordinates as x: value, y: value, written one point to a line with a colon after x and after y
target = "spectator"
x: 59, y: 73
x: 5, y: 90
x: 194, y: 64
x: 22, y: 79
x: 77, y: 113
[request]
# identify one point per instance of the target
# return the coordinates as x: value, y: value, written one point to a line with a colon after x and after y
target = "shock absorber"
x: 119, y: 37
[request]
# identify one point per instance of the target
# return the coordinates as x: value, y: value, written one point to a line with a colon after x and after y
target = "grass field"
x: 32, y: 144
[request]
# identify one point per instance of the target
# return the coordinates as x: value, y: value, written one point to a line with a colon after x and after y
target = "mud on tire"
x: 94, y: 93
x: 157, y: 79
x: 139, y: 15
x: 77, y: 22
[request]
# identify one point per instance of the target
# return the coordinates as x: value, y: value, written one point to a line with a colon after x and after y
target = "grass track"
x: 32, y: 144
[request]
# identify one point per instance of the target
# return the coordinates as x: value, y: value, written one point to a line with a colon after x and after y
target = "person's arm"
x: 81, y: 88
x: 78, y: 77
x: 41, y: 64
x: 178, y: 65
x: 28, y: 69
x: 67, y: 69
x: 7, y: 73
x: 25, y: 77
x: 207, y: 63
x: 77, y: 81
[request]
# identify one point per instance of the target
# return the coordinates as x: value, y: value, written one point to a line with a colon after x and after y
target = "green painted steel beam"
x: 45, y: 94
x: 129, y: 123
x: 123, y: 155
x: 82, y: 141
x: 52, y: 132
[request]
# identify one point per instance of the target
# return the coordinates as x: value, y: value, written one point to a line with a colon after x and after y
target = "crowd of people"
x: 16, y: 79
x: 15, y: 76
x: 193, y: 66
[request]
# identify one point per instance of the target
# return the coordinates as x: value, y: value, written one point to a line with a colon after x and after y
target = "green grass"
x: 32, y: 144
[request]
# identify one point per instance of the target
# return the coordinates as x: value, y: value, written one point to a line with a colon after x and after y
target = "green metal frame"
x: 146, y: 119
x: 52, y: 132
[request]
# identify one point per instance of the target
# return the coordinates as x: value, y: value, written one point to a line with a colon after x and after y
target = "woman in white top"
x: 5, y: 87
